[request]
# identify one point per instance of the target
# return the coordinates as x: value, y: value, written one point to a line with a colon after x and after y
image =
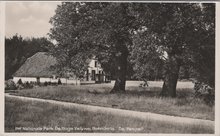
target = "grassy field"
x: 136, y: 98
x: 23, y: 116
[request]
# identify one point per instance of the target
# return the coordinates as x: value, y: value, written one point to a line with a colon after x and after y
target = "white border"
x: 2, y: 62
x: 217, y: 74
x: 135, y: 1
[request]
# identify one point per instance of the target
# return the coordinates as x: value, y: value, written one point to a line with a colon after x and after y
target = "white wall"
x: 92, y: 63
x: 69, y: 81
x: 25, y: 79
x: 44, y: 79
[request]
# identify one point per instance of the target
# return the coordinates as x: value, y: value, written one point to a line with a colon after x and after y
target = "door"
x: 38, y: 80
x: 87, y: 75
x: 93, y: 75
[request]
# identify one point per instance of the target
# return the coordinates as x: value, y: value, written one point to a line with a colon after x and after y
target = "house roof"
x: 39, y: 65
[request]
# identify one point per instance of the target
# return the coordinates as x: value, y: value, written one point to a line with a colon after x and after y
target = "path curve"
x: 124, y: 113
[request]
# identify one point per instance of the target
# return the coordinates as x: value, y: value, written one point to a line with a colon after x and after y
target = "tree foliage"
x: 157, y: 39
x: 17, y: 50
x: 102, y: 29
x: 177, y: 35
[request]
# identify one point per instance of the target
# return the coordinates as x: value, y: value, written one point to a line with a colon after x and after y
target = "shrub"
x: 19, y: 86
x: 10, y: 85
x: 20, y: 82
x: 28, y: 85
x: 145, y: 84
x: 59, y: 82
x: 205, y: 92
x: 45, y: 83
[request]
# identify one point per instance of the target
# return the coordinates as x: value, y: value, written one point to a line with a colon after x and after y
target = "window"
x: 95, y: 63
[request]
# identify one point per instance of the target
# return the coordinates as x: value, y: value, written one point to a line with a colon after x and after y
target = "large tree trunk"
x: 171, y: 77
x: 121, y: 70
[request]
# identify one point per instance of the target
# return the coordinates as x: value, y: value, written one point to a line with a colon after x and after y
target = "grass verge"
x: 135, y: 98
x: 21, y: 116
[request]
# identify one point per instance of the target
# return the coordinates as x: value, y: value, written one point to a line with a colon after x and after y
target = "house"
x: 39, y: 68
x: 95, y: 73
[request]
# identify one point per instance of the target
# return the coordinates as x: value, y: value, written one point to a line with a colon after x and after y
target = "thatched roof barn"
x: 39, y: 65
x: 41, y: 68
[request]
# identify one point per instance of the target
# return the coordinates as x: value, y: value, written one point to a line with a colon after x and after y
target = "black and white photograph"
x: 110, y: 67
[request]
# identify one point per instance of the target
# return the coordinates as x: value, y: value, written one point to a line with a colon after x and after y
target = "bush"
x: 59, y: 82
x: 20, y: 86
x: 145, y: 84
x: 28, y: 85
x: 205, y: 92
x: 10, y: 85
x: 45, y: 83
x: 20, y: 82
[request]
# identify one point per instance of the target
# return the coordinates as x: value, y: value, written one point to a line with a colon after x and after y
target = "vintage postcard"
x: 109, y: 67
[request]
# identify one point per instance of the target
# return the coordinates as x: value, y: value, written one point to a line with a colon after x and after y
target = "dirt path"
x: 125, y: 113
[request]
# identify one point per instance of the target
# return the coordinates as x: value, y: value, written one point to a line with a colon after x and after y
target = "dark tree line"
x: 18, y: 49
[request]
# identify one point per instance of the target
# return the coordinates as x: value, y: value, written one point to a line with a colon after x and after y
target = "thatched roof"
x: 39, y: 65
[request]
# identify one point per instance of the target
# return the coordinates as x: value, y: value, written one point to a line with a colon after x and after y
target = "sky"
x: 29, y: 19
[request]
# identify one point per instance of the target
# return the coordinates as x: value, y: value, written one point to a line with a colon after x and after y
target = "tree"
x: 112, y: 32
x: 68, y: 63
x: 203, y: 58
x: 183, y: 34
x: 147, y: 57
x: 13, y: 49
x: 18, y: 49
x: 103, y: 29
